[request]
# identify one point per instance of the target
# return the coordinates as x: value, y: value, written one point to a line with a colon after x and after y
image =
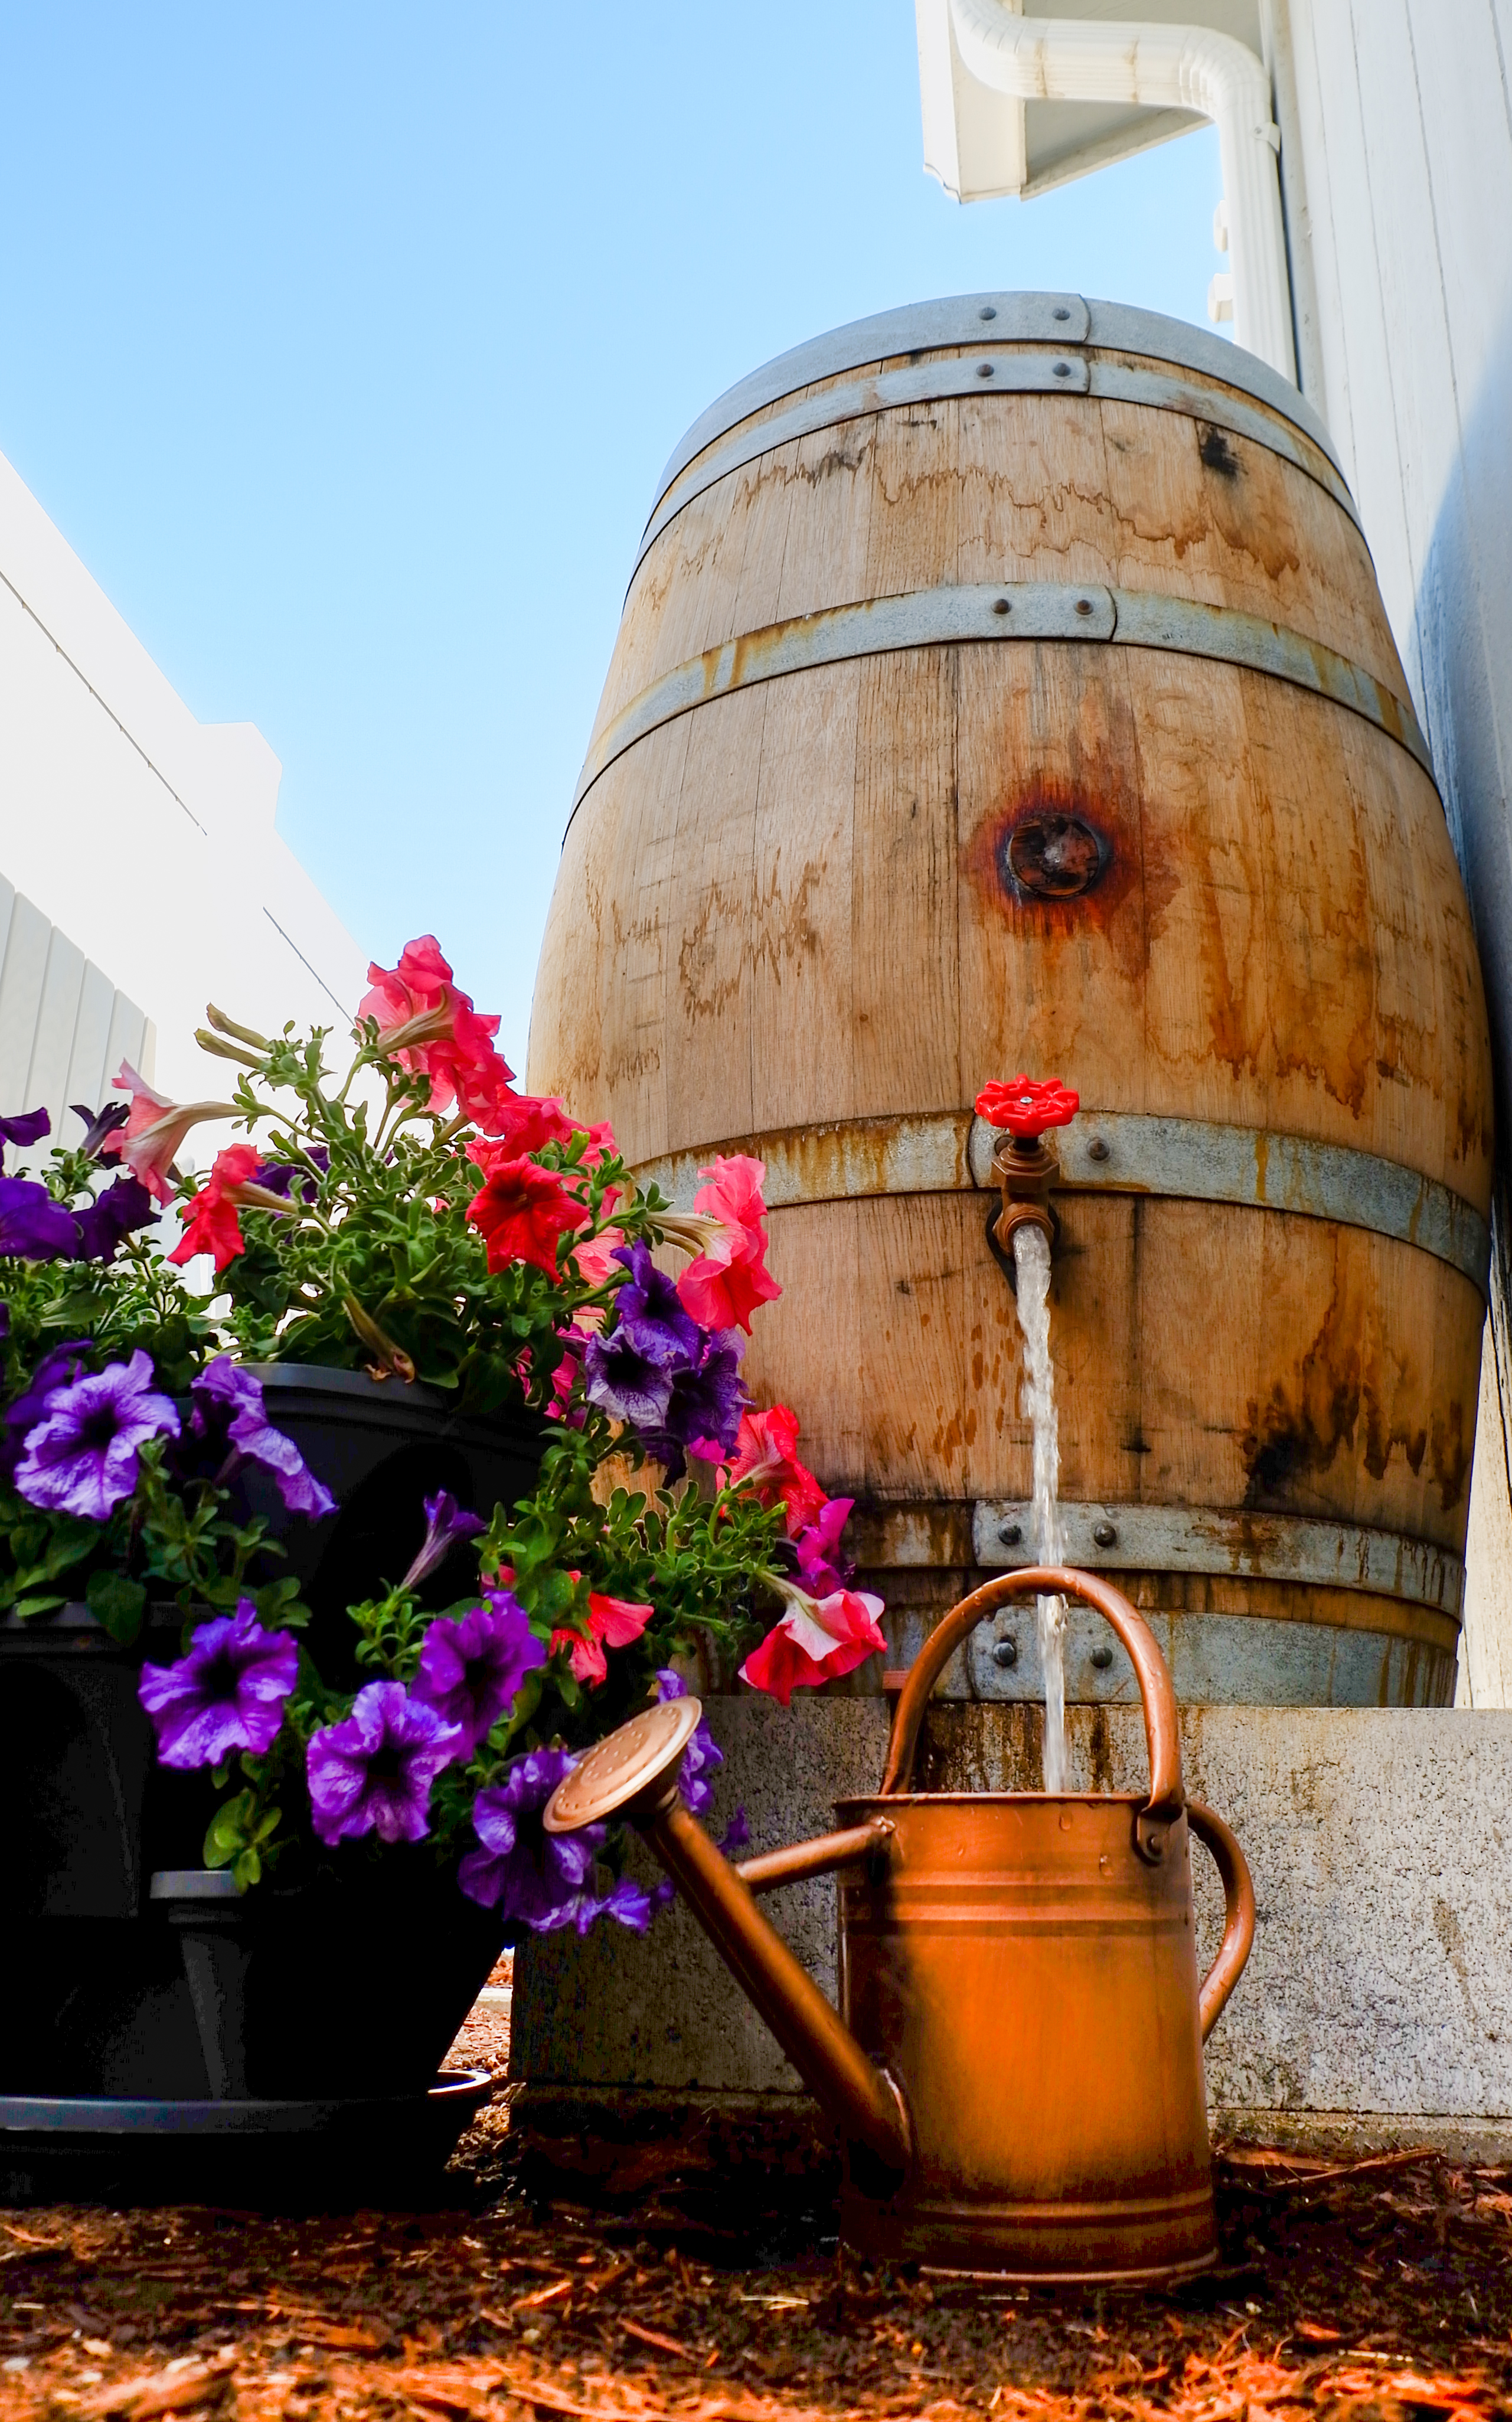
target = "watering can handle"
x: 1056, y: 1580
x: 1238, y: 1912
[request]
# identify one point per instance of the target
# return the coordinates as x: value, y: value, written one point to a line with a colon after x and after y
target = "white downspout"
x: 1161, y: 66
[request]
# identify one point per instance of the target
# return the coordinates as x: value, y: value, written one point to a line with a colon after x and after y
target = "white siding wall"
x: 64, y: 1028
x: 141, y: 843
x: 1397, y: 159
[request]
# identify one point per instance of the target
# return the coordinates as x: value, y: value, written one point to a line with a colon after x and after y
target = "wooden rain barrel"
x: 1003, y: 683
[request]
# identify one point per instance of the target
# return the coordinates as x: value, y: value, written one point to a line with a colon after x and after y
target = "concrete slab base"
x: 1378, y: 1997
x: 1352, y: 2134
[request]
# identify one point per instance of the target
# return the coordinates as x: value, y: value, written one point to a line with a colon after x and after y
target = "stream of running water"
x: 1032, y: 1259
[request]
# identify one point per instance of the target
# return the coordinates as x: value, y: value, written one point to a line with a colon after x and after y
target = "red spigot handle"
x: 1026, y: 1108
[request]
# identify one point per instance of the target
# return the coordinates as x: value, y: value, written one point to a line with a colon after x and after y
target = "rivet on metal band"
x: 1256, y: 1547
x: 1037, y: 609
x: 1011, y: 373
x: 1121, y: 1152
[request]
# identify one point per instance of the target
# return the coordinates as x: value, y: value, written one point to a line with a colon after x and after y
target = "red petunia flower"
x: 433, y: 1030
x: 766, y: 1457
x: 1026, y: 1108
x: 612, y: 1623
x: 521, y: 1212
x: 210, y: 1224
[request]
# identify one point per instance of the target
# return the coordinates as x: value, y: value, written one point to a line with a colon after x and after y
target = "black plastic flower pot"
x: 354, y: 2152
x: 353, y: 1983
x: 380, y: 1448
x: 98, y: 2003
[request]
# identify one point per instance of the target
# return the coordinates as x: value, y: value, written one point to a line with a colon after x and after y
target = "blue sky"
x: 345, y: 345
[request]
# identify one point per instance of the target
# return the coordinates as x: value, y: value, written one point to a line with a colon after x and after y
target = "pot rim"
x: 402, y: 1397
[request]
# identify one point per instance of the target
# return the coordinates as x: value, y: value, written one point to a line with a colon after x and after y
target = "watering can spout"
x: 634, y: 1774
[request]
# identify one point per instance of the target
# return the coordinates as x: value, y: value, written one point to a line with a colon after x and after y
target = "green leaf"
x: 247, y: 1870
x: 226, y: 1833
x: 116, y: 1603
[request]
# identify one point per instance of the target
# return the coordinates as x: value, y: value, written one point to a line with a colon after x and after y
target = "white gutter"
x: 1161, y: 66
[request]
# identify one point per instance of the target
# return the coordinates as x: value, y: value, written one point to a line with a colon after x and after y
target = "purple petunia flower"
x: 627, y: 1902
x: 521, y: 1870
x: 102, y: 1223
x: 28, y: 1127
x: 704, y: 1413
x: 98, y: 1124
x: 627, y: 1384
x: 649, y: 1312
x: 59, y: 1369
x: 372, y: 1772
x: 227, y: 1694
x: 81, y: 1457
x: 471, y: 1670
x: 446, y: 1525
x: 823, y: 1568
x: 703, y: 1407
x: 224, y: 1389
x: 279, y: 1176
x: 32, y: 1225
x: 703, y: 1754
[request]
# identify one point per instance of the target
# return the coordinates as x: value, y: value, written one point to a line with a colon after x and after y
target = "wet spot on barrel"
x: 1285, y: 1442
x: 1382, y: 1435
x: 1217, y: 453
x: 1450, y: 1455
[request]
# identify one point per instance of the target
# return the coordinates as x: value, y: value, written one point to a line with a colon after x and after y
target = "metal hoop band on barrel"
x: 989, y: 371
x: 1131, y: 1537
x: 1028, y: 319
x: 1006, y: 611
x: 1110, y: 1152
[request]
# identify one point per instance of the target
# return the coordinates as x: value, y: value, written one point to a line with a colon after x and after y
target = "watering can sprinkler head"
x: 1023, y: 1164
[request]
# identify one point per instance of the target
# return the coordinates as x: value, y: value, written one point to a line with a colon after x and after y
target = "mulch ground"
x: 697, y: 2280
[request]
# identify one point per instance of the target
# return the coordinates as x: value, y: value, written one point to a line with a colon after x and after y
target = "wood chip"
x: 162, y: 2392
x: 544, y: 2296
x: 657, y: 2338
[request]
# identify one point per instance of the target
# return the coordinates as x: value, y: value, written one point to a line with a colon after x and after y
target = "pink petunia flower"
x: 814, y: 1640
x: 155, y: 1131
x: 722, y: 1287
x: 525, y: 1121
x: 767, y: 1456
x: 432, y: 1028
x: 821, y: 1565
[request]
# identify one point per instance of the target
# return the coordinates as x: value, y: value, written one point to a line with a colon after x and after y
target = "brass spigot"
x: 1023, y: 1163
x: 1026, y: 1171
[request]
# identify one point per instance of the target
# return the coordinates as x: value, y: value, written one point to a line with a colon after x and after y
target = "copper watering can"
x: 1016, y: 2068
